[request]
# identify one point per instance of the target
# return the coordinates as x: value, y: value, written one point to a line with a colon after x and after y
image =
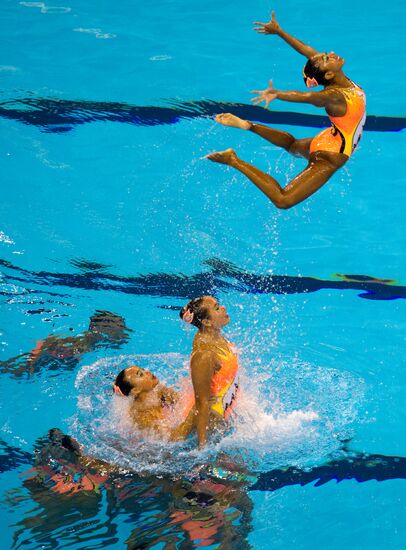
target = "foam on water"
x: 46, y: 9
x: 98, y: 33
x: 299, y: 414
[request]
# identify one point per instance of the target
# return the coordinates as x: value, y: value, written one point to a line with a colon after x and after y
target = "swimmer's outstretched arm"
x: 273, y: 27
x: 202, y: 370
x: 329, y: 99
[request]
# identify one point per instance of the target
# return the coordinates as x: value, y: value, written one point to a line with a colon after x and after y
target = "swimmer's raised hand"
x: 268, y: 28
x: 273, y: 27
x: 267, y: 95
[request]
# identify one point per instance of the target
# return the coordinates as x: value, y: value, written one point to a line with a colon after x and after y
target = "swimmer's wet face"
x: 323, y: 67
x: 135, y: 380
x: 217, y: 314
x: 141, y: 380
x: 329, y: 62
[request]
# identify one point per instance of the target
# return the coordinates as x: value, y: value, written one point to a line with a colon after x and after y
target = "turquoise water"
x: 109, y: 204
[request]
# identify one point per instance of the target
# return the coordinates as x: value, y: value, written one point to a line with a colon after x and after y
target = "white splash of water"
x: 299, y: 415
x: 5, y: 239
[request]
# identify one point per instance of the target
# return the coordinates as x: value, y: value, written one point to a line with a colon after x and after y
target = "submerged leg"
x: 276, y: 137
x: 316, y: 174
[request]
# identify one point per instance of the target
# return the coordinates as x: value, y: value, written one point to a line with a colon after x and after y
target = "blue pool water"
x: 108, y: 204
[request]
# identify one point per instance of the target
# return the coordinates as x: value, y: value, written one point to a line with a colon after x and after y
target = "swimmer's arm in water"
x: 273, y: 27
x: 182, y: 431
x: 332, y: 100
x: 202, y: 366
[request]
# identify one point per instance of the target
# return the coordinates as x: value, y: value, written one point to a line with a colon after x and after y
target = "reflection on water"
x: 56, y: 353
x: 82, y: 502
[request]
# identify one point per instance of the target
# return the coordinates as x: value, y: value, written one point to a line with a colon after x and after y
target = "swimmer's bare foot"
x: 227, y: 119
x: 223, y: 157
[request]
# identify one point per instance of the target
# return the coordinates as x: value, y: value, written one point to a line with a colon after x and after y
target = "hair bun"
x: 188, y: 316
x: 311, y: 82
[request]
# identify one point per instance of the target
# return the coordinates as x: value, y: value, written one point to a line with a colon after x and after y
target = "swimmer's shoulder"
x: 213, y: 348
x: 349, y: 92
x: 203, y: 360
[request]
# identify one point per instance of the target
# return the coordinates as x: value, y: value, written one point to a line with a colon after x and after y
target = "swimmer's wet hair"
x: 196, y: 307
x: 311, y: 70
x: 123, y: 383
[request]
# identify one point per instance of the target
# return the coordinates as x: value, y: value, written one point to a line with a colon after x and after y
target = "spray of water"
x: 296, y: 414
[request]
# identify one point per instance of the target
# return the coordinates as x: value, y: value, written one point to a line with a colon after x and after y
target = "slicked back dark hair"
x: 123, y: 383
x: 311, y: 70
x: 196, y: 307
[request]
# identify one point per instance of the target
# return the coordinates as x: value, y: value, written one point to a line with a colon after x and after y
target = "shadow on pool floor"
x: 221, y: 276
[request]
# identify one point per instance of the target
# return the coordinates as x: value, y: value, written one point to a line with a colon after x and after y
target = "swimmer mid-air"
x: 344, y: 102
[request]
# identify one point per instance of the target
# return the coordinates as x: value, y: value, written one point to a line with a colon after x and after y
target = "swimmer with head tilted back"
x: 213, y: 364
x: 344, y: 102
x: 167, y: 413
x: 160, y: 410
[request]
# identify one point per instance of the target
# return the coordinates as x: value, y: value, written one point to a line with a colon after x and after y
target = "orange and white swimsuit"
x: 224, y: 387
x: 346, y: 131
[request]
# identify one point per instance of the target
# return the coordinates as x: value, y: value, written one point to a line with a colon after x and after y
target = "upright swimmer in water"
x: 213, y: 364
x: 344, y: 102
x: 160, y: 410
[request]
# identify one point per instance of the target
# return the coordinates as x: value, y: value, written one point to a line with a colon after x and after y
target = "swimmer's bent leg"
x: 315, y: 175
x: 298, y: 147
